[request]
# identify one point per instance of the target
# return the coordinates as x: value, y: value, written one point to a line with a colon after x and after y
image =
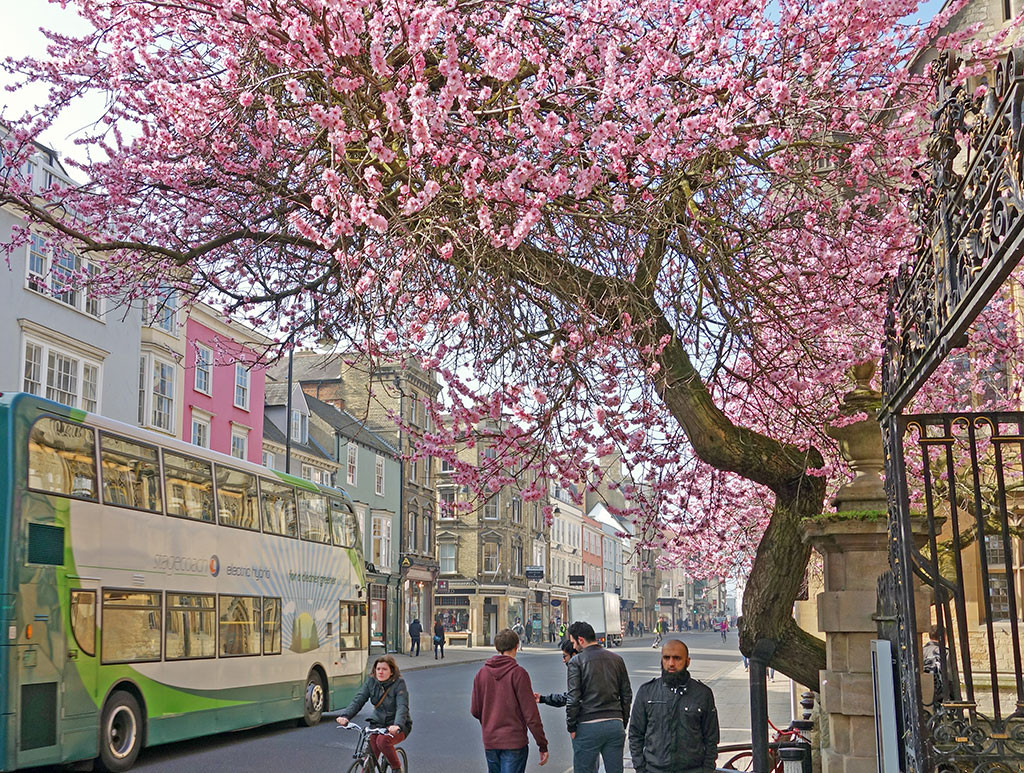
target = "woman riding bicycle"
x: 386, y: 690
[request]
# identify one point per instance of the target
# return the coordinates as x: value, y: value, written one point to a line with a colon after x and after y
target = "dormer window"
x: 299, y: 426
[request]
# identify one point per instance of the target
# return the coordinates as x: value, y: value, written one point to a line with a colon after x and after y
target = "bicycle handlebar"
x: 368, y: 730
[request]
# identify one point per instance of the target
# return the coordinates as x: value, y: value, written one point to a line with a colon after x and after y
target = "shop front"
x: 630, y: 613
x: 667, y: 609
x: 382, y: 609
x: 418, y: 577
x: 538, y: 615
x: 559, y: 610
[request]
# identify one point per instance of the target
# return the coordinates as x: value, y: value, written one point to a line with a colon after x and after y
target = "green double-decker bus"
x: 153, y: 591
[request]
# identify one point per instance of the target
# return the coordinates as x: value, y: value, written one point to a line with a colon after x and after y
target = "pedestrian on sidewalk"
x: 558, y: 699
x: 503, y: 702
x: 439, y: 639
x: 553, y: 630
x: 597, y: 703
x: 674, y: 724
x: 415, y: 629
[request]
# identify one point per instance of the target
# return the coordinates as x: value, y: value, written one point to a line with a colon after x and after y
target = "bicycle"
x: 364, y: 759
x: 744, y: 760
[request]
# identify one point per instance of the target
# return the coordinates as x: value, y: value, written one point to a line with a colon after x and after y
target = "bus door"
x: 81, y: 664
x: 39, y: 661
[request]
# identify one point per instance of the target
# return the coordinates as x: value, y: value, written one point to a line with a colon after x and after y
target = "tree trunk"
x: 774, y: 583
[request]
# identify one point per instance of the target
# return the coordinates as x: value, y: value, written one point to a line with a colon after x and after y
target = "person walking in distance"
x: 439, y: 639
x: 597, y: 703
x: 503, y: 701
x: 659, y: 631
x: 415, y: 630
x: 674, y: 724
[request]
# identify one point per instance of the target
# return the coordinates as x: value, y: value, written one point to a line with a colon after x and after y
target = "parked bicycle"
x: 743, y: 758
x: 364, y: 759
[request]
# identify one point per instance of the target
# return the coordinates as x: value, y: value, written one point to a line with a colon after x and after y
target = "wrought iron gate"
x: 960, y: 474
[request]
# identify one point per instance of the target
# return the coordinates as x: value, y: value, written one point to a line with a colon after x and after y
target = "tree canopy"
x: 663, y: 227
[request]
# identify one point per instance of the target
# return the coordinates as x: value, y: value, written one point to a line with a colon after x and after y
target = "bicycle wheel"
x: 361, y: 765
x: 741, y: 761
x: 404, y: 758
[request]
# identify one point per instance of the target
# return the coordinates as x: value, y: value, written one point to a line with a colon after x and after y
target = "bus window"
x: 62, y: 459
x: 350, y: 625
x: 237, y: 499
x: 313, y: 517
x: 189, y: 487
x: 131, y: 473
x: 191, y: 626
x: 278, y: 500
x: 343, y: 525
x: 239, y: 625
x: 83, y: 620
x: 271, y: 626
x: 131, y: 626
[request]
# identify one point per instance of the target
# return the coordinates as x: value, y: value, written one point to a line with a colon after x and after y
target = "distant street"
x: 445, y: 738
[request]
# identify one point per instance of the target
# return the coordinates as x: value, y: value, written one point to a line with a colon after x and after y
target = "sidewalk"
x: 457, y: 653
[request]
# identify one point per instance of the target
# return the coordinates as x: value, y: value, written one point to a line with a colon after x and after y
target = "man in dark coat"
x: 597, y: 703
x: 673, y: 727
x: 415, y: 629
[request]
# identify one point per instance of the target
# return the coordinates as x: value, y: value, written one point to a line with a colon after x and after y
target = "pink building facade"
x: 224, y: 386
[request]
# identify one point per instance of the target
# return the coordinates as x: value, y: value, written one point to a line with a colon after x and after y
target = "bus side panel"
x: 8, y: 727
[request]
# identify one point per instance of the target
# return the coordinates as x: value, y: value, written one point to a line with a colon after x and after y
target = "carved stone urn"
x: 860, y: 444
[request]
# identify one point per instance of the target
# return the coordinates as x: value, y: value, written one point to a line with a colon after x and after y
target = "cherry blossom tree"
x: 657, y: 227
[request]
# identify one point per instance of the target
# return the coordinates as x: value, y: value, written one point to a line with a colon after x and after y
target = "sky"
x: 20, y: 35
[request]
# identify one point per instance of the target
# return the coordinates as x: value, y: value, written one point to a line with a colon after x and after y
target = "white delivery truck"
x: 602, y: 611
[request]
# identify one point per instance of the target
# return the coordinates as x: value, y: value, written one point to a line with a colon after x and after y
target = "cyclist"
x: 386, y: 690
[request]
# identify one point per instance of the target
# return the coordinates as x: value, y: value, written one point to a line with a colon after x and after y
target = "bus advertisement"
x: 153, y: 591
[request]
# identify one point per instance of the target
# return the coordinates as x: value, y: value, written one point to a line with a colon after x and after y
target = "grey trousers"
x: 606, y: 739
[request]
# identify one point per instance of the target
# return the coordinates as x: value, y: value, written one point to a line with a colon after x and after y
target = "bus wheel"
x: 316, y: 698
x: 120, y: 732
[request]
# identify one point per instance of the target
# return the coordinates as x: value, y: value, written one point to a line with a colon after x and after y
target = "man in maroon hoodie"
x: 503, y: 702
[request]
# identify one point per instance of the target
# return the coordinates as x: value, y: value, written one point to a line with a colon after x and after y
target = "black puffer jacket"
x: 598, y: 687
x: 673, y: 727
x: 393, y: 710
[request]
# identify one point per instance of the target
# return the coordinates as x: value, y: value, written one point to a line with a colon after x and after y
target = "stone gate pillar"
x: 854, y: 544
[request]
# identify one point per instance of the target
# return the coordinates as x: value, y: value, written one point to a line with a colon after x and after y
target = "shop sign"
x: 556, y: 602
x: 442, y: 586
x: 577, y: 581
x: 534, y: 573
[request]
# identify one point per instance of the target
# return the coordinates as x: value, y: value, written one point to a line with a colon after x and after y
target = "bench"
x: 466, y: 636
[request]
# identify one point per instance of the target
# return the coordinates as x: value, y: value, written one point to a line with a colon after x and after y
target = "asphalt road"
x: 445, y: 738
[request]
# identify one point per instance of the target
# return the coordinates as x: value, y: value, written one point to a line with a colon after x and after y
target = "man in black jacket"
x: 674, y: 724
x: 415, y: 629
x: 597, y: 703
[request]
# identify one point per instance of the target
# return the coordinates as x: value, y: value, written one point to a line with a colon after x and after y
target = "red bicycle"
x: 743, y: 757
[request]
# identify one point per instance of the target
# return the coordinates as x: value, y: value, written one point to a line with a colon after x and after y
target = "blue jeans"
x: 606, y: 739
x: 507, y: 760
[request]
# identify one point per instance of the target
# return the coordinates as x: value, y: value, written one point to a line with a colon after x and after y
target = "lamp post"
x: 288, y: 406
